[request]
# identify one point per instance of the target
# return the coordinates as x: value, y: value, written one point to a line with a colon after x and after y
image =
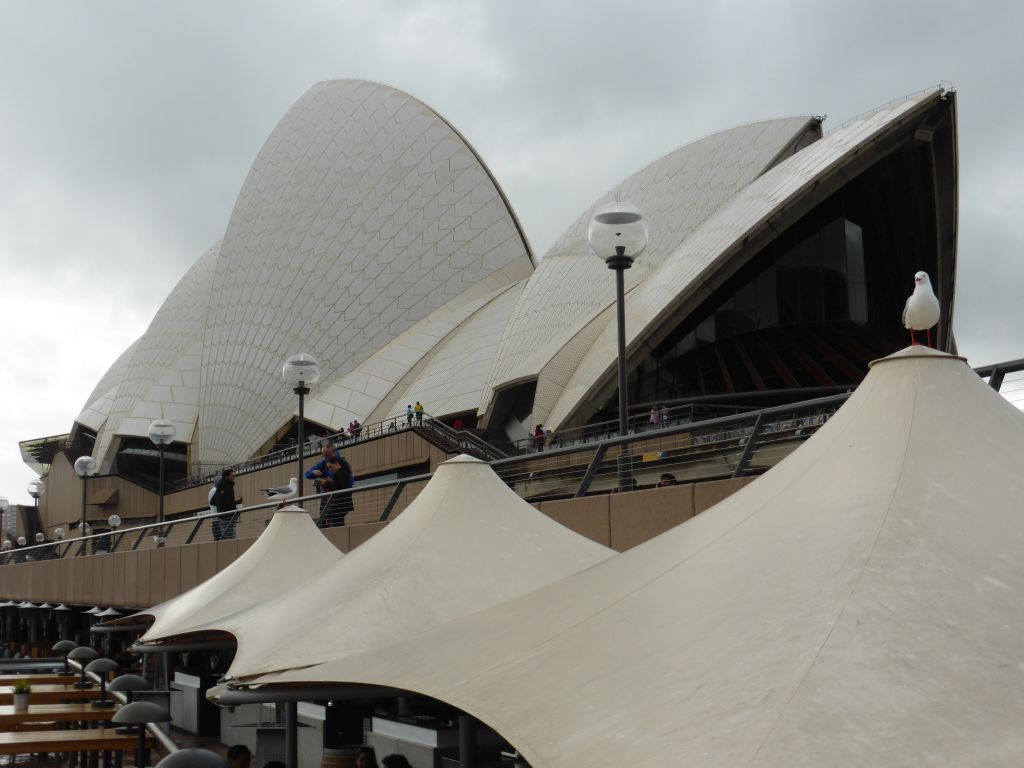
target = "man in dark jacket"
x: 224, y: 500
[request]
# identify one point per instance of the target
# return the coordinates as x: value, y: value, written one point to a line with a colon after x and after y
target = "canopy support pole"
x: 467, y: 741
x: 291, y: 734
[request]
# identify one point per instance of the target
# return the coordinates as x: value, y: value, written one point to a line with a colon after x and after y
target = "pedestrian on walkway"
x: 655, y: 417
x: 224, y: 501
x: 419, y: 414
x: 408, y: 415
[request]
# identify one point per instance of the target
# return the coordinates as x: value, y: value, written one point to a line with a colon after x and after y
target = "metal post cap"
x: 141, y: 712
x: 128, y: 683
x: 193, y: 758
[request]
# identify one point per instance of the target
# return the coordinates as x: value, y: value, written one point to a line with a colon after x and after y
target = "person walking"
x: 408, y: 415
x: 419, y: 414
x: 224, y: 500
x: 539, y: 437
x: 655, y: 417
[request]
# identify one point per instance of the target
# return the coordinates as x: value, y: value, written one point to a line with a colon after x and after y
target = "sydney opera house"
x: 771, y: 589
x: 371, y: 234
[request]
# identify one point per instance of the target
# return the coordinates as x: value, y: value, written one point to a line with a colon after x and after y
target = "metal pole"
x: 291, y: 734
x: 81, y: 530
x: 467, y: 742
x: 302, y: 390
x: 142, y: 759
x: 620, y: 310
x: 160, y: 516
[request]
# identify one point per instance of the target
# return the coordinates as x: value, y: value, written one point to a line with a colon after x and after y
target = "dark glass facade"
x: 814, y: 307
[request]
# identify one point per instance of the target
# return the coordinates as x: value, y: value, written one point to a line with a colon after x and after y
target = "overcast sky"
x: 127, y: 128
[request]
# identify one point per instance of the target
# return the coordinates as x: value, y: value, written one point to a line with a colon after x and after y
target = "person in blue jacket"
x: 332, y: 473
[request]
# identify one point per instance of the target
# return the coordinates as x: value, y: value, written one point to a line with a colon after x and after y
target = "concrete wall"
x: 145, y: 577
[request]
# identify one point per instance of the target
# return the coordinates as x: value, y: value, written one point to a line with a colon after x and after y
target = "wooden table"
x: 86, y: 740
x: 52, y: 694
x: 49, y: 679
x: 53, y: 713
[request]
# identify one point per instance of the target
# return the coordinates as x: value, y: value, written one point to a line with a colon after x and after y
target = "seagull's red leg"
x: 913, y: 342
x: 929, y: 332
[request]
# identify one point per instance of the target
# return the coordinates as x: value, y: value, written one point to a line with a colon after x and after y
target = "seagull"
x: 922, y: 310
x: 282, y: 492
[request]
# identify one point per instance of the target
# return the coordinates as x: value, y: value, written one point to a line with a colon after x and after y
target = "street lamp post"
x: 301, y: 371
x: 36, y: 488
x: 4, y: 506
x: 85, y: 467
x: 162, y: 433
x: 618, y: 234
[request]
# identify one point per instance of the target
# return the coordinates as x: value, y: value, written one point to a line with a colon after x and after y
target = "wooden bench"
x: 10, y: 720
x: 84, y: 740
x: 52, y: 694
x: 48, y: 679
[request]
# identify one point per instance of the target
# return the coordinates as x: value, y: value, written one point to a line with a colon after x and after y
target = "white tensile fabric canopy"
x: 465, y: 542
x: 291, y: 551
x: 858, y: 605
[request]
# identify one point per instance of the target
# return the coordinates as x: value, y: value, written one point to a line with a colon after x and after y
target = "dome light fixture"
x: 618, y: 233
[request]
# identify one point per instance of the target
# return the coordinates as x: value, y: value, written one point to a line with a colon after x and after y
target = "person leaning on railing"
x: 332, y: 473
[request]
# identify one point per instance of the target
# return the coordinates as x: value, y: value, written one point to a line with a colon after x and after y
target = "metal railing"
x: 369, y: 503
x: 728, y: 446
x: 725, y: 447
x: 736, y: 445
x: 637, y: 423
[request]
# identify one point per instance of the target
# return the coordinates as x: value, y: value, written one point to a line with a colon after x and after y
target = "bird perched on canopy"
x: 921, y: 312
x: 281, y: 492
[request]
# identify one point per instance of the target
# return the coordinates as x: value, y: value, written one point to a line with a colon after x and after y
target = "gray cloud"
x: 128, y: 127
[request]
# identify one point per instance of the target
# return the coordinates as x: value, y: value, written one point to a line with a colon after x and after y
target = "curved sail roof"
x: 363, y: 213
x: 570, y: 288
x: 465, y: 543
x: 101, y: 400
x: 160, y: 377
x: 291, y: 551
x: 858, y: 604
x: 687, y: 274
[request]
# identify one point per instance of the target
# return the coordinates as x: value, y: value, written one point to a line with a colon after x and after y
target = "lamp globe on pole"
x: 618, y: 233
x: 161, y: 433
x: 301, y: 371
x: 85, y: 467
x: 36, y: 488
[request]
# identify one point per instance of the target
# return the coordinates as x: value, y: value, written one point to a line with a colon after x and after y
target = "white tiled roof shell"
x: 442, y: 361
x: 363, y: 213
x: 162, y: 380
x: 101, y: 400
x: 679, y: 277
x: 453, y: 376
x: 572, y: 287
x: 159, y: 377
